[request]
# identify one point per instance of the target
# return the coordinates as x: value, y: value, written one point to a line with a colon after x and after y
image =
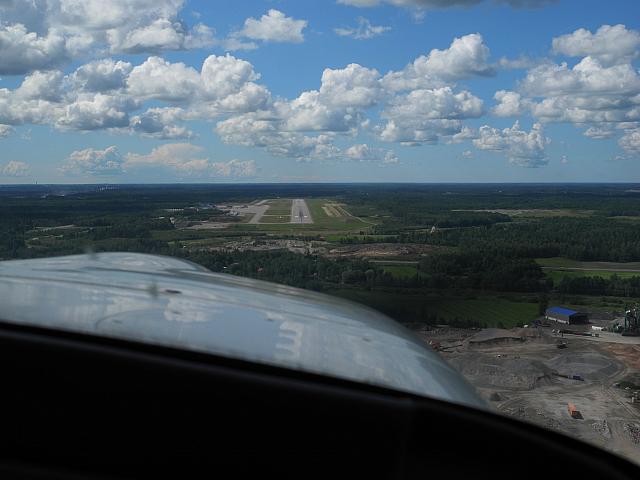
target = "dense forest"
x: 587, y: 239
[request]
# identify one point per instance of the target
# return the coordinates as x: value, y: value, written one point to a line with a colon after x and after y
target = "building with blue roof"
x: 565, y: 315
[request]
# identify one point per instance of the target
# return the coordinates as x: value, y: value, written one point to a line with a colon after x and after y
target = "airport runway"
x: 300, y: 212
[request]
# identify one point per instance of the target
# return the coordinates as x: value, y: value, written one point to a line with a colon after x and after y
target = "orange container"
x: 573, y: 411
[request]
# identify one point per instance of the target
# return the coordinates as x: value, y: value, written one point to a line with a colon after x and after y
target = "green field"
x: 558, y: 268
x: 401, y: 271
x: 558, y: 275
x: 359, y: 238
x: 323, y: 221
x: 624, y: 218
x: 536, y: 212
x: 560, y: 262
x: 488, y: 311
x: 275, y: 218
x: 279, y: 206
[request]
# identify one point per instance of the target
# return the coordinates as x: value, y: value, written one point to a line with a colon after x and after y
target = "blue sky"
x: 305, y: 91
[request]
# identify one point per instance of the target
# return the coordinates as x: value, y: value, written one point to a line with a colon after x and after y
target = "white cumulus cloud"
x: 188, y: 160
x: 22, y: 51
x: 630, y: 141
x: 522, y: 148
x: 159, y: 79
x: 15, y: 169
x: 274, y: 26
x: 44, y: 34
x: 600, y: 92
x: 609, y: 45
x: 466, y: 57
x: 101, y: 75
x: 599, y: 132
x: 364, y: 153
x: 363, y: 31
x: 426, y: 115
x: 510, y: 104
x: 5, y: 130
x: 422, y: 4
x: 94, y: 162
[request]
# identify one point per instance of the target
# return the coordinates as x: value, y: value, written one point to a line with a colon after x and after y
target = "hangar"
x: 565, y: 315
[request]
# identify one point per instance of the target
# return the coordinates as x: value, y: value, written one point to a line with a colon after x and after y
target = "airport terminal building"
x: 565, y: 315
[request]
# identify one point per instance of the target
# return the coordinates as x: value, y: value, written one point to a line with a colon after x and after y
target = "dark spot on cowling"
x: 169, y: 290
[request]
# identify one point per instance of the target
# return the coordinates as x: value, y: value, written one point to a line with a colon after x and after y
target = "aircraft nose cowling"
x: 170, y: 302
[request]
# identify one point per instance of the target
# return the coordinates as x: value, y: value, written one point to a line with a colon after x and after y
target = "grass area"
x: 537, y: 212
x: 279, y: 206
x: 493, y: 312
x: 592, y: 303
x: 488, y: 311
x: 274, y: 228
x: 560, y: 262
x: 558, y: 268
x: 358, y: 238
x: 558, y: 275
x: 275, y: 218
x: 213, y: 241
x: 324, y: 221
x: 626, y: 218
x: 181, y: 234
x: 401, y: 271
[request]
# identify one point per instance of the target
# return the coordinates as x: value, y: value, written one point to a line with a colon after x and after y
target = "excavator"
x: 631, y: 326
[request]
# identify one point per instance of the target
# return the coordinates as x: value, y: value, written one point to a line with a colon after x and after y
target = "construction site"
x: 583, y: 382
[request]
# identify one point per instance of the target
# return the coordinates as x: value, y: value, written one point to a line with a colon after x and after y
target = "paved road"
x: 300, y: 212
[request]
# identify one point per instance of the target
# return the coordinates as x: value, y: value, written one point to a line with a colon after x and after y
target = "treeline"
x: 12, y: 241
x: 486, y: 270
x: 613, y: 286
x: 606, y: 200
x: 416, y: 216
x: 126, y: 226
x: 449, y: 271
x: 305, y: 271
x: 586, y: 239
